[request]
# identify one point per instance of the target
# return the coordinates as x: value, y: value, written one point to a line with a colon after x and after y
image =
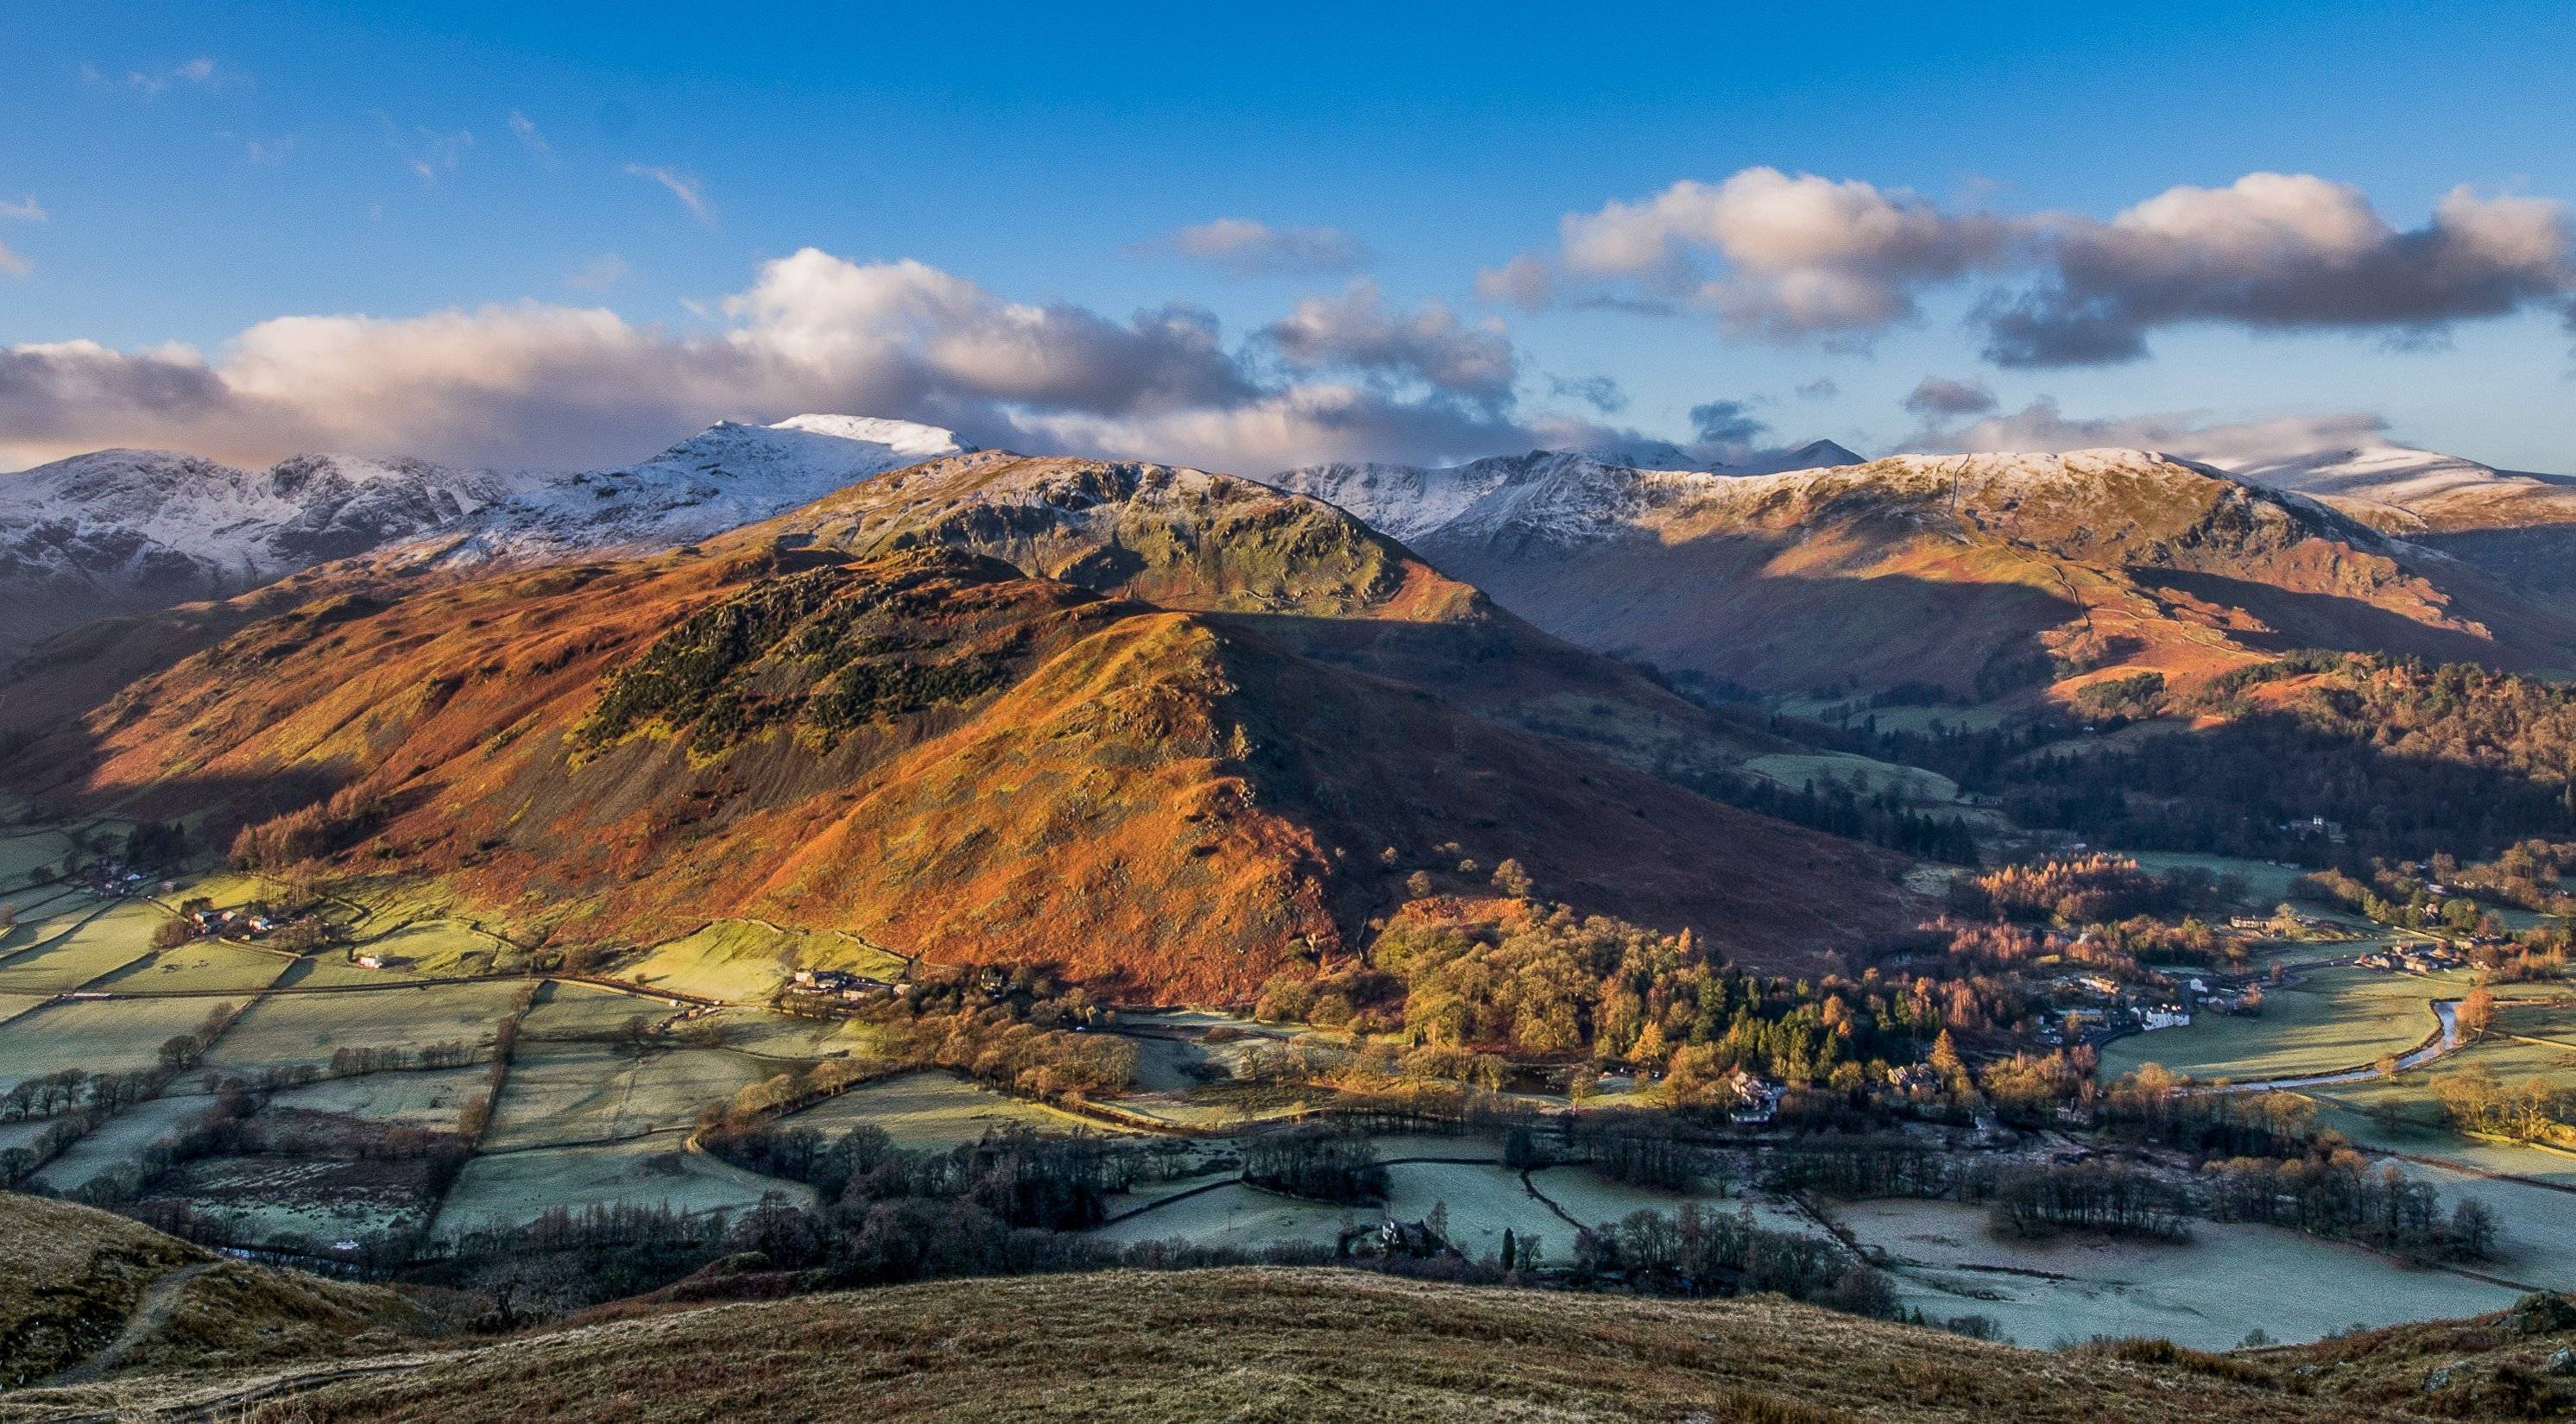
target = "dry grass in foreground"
x: 1259, y: 1345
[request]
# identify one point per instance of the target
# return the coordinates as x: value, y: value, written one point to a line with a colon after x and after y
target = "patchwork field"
x: 932, y: 1110
x: 307, y: 1028
x: 118, y: 1141
x: 84, y: 950
x: 203, y: 965
x: 2228, y: 1280
x: 514, y: 1187
x: 101, y: 1036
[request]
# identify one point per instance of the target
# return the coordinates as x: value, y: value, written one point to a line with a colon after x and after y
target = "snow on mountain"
x: 1572, y: 494
x: 124, y: 531
x: 118, y: 531
x: 724, y: 476
x: 2402, y: 488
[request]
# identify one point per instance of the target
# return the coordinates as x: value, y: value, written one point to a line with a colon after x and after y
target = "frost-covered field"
x: 2209, y: 1293
x: 932, y: 1110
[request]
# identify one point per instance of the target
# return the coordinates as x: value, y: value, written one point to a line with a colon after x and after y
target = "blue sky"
x: 184, y: 173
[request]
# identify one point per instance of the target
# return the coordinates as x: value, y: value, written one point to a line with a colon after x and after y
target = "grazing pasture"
x: 201, y: 965
x: 2330, y: 1019
x: 78, y: 951
x: 100, y: 1036
x: 931, y: 1109
x: 118, y: 1141
x: 513, y: 1187
x: 285, y: 1029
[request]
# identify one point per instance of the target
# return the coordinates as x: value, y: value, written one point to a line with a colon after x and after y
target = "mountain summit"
x: 128, y: 531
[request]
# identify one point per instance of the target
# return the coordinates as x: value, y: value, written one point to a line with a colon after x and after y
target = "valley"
x: 1005, y: 865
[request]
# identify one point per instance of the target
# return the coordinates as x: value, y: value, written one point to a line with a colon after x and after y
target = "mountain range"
x: 126, y: 531
x: 1171, y: 732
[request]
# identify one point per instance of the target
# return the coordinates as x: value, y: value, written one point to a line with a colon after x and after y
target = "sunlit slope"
x: 910, y: 738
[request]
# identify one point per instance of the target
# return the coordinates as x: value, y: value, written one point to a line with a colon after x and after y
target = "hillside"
x: 858, y: 716
x: 124, y: 531
x: 1983, y: 574
x: 92, y: 1294
x: 2520, y: 527
x: 1325, y: 1346
x: 129, y: 532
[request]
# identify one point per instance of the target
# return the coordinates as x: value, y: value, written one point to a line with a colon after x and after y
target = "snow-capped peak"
x: 726, y: 475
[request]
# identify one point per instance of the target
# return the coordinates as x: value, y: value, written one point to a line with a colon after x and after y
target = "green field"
x: 307, y: 1028
x: 117, y: 1141
x: 2266, y: 884
x: 2332, y: 1019
x: 1795, y: 770
x: 515, y: 1187
x: 100, y: 1036
x: 430, y: 1098
x: 744, y: 961
x: 73, y: 956
x: 203, y: 965
x: 932, y: 1109
x: 434, y: 947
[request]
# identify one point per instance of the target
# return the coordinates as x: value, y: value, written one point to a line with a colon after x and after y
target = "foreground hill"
x: 1327, y: 1346
x: 84, y: 1294
x: 1146, y: 748
x: 1981, y: 574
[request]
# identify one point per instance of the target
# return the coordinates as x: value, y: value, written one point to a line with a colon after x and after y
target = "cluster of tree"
x: 2537, y: 1110
x: 2407, y: 759
x: 1325, y: 1163
x: 1859, y: 1165
x: 152, y: 843
x: 1057, y: 1183
x: 1549, y: 982
x: 2533, y: 874
x: 2111, y: 1198
x: 2397, y: 897
x: 1878, y: 817
x: 325, y: 828
x: 2332, y: 1191
x: 351, y: 1060
x: 2153, y: 1105
x: 1698, y: 1253
x: 2088, y: 889
x: 1630, y: 1152
x: 475, y: 1118
x: 2119, y: 699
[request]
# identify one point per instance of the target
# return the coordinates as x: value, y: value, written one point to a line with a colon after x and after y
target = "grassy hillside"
x: 860, y: 717
x: 91, y: 1293
x: 1326, y: 1346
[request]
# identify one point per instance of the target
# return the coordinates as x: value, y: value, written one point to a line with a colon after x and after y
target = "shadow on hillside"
x: 2317, y: 620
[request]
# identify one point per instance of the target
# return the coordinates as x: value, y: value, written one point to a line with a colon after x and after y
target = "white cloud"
x: 1526, y: 282
x: 200, y: 71
x: 525, y: 129
x: 12, y: 264
x: 691, y: 194
x: 1357, y: 332
x: 598, y: 274
x: 2284, y: 252
x: 1786, y: 256
x: 2041, y: 428
x: 427, y: 152
x: 28, y: 211
x: 1256, y: 248
x: 540, y: 384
